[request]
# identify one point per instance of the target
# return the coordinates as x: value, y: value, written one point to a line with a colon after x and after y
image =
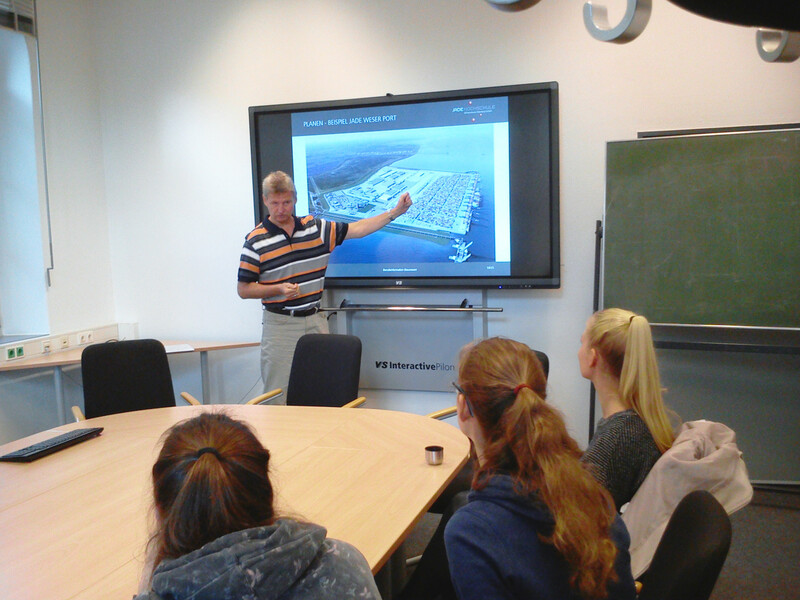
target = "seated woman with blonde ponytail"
x: 617, y: 355
x: 217, y: 536
x: 537, y: 524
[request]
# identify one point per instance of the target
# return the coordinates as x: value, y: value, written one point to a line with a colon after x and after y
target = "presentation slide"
x: 452, y: 157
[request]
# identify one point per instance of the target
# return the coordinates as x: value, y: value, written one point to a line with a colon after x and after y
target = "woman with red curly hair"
x: 537, y: 524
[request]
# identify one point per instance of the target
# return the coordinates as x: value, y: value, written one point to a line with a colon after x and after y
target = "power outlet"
x: 46, y: 346
x: 64, y: 342
x: 13, y: 352
x: 85, y: 337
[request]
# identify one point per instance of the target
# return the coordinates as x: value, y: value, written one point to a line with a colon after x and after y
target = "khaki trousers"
x: 279, y: 335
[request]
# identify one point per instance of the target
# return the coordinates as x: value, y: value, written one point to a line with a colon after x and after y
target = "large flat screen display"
x: 481, y: 166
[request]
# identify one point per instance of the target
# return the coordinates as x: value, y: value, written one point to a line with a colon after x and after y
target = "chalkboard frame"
x: 711, y: 130
x: 791, y: 320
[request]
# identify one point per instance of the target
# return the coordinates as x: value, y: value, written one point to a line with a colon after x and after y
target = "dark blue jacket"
x: 494, y: 549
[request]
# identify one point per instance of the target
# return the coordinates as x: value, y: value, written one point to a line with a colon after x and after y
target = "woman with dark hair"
x: 618, y: 356
x: 537, y: 524
x: 217, y: 536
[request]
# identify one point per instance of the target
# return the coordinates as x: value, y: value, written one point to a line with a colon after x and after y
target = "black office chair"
x: 545, y: 362
x: 691, y: 552
x: 431, y: 577
x: 126, y: 376
x: 325, y: 371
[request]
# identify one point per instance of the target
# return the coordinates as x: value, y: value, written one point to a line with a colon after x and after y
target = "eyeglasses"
x: 461, y: 391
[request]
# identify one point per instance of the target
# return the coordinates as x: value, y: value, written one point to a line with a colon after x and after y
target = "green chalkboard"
x: 705, y: 229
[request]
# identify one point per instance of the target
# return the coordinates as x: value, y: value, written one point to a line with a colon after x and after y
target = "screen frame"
x: 551, y: 280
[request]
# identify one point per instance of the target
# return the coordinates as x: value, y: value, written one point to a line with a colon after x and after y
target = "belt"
x: 291, y: 312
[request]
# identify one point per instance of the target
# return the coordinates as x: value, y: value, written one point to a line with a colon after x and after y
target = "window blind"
x: 19, y: 15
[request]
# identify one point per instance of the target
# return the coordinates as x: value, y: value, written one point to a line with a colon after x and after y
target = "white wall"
x: 80, y: 296
x: 146, y: 117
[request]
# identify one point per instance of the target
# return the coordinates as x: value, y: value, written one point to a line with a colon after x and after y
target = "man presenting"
x: 283, y: 264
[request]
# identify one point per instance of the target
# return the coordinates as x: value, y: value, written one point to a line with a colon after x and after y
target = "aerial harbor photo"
x: 452, y: 218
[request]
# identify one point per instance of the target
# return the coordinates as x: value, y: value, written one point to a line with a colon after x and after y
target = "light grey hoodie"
x: 288, y: 560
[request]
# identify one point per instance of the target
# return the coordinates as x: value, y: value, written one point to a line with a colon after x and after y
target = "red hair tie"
x: 520, y: 386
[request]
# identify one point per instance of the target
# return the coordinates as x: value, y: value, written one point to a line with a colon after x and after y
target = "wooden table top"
x: 74, y: 524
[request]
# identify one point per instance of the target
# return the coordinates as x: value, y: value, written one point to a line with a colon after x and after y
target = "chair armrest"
x: 78, y: 414
x: 355, y: 403
x: 265, y: 397
x: 442, y: 414
x: 190, y: 399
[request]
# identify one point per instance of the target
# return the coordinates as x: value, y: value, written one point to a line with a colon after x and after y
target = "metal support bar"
x: 463, y: 307
x: 727, y: 347
x: 205, y: 378
x: 598, y: 249
x: 58, y: 381
x: 480, y: 323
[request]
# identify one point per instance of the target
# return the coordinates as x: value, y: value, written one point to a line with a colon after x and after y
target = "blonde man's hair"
x: 277, y: 182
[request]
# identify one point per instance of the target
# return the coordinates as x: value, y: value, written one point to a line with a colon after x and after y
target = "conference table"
x: 57, y: 361
x: 75, y: 524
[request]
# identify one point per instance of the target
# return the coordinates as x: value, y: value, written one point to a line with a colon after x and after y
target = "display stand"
x: 409, y: 345
x: 478, y: 312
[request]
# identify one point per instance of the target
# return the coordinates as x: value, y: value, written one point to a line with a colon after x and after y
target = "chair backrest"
x: 545, y: 362
x: 325, y: 370
x: 125, y: 376
x: 691, y: 552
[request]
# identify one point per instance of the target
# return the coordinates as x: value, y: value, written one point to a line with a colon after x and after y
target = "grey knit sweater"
x: 621, y: 454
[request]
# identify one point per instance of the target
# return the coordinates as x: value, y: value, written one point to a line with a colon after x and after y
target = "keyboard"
x: 54, y: 444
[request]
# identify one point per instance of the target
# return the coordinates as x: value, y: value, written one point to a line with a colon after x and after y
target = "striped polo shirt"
x: 270, y: 256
